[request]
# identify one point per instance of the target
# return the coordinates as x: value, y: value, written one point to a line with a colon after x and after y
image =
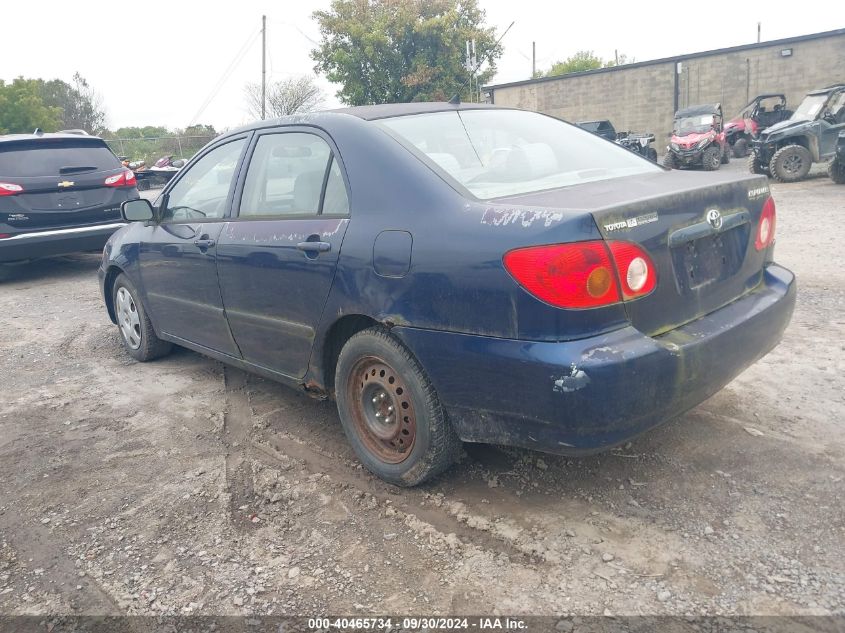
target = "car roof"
x: 47, y: 136
x: 387, y: 110
x: 706, y: 108
x: 824, y: 91
x: 365, y: 113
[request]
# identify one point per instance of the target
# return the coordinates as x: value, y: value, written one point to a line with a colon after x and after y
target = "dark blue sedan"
x: 455, y: 273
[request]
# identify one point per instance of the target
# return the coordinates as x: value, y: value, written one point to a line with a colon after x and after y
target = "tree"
x: 621, y: 60
x: 388, y: 51
x: 581, y: 61
x: 22, y: 109
x: 289, y: 96
x: 81, y: 107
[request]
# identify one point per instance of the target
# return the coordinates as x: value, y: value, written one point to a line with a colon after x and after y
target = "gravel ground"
x: 186, y: 487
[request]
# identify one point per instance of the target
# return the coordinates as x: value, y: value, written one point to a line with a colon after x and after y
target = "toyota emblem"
x: 714, y: 219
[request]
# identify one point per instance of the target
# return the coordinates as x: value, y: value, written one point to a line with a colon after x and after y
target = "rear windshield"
x: 497, y: 153
x: 54, y: 158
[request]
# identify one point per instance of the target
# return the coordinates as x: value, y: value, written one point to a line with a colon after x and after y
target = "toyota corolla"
x: 455, y: 273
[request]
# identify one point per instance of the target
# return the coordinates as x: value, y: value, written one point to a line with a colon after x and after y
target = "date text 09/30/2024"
x: 412, y: 623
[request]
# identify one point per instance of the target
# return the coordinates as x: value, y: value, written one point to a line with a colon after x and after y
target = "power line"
x: 226, y: 74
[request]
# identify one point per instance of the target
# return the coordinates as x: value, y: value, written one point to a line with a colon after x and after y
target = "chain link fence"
x: 151, y: 148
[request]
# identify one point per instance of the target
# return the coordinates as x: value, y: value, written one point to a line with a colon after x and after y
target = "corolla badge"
x: 714, y: 218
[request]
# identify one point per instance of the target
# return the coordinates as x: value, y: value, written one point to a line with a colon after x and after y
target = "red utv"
x: 697, y: 139
x: 760, y: 113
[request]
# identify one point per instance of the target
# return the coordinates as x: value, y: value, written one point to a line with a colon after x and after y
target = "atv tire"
x: 740, y: 148
x: 755, y: 166
x: 711, y: 158
x: 836, y: 171
x: 651, y: 154
x: 791, y: 163
x: 669, y: 161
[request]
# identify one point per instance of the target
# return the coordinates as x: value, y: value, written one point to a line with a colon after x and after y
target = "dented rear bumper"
x: 591, y: 394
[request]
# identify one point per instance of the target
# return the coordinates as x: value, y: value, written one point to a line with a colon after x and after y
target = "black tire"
x: 740, y: 148
x: 651, y: 154
x: 726, y: 155
x: 376, y: 375
x: 790, y: 163
x: 711, y: 158
x: 147, y: 346
x: 836, y: 171
x: 755, y: 166
x: 669, y: 160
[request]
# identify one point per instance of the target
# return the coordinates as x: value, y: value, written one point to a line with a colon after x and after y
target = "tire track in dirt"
x: 270, y: 445
x: 244, y: 443
x: 236, y: 437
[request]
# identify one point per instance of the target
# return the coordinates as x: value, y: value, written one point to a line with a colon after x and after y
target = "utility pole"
x: 758, y: 32
x: 533, y: 59
x: 263, y: 67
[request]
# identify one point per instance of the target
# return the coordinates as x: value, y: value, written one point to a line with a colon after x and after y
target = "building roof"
x: 676, y: 58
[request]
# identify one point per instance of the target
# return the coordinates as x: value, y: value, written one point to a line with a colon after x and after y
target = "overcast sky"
x: 164, y: 63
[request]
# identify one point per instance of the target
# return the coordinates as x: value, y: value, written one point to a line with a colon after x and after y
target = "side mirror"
x: 139, y: 210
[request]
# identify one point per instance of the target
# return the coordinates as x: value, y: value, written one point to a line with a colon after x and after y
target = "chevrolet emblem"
x: 66, y: 183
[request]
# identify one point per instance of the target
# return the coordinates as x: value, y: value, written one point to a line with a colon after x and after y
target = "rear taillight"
x: 583, y: 274
x: 637, y: 274
x: 123, y: 179
x: 9, y: 189
x: 766, y: 226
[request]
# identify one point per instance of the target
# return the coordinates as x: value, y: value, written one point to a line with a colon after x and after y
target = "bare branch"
x: 289, y: 96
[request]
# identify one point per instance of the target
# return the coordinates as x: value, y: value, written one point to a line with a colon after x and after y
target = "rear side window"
x: 286, y: 176
x: 55, y: 158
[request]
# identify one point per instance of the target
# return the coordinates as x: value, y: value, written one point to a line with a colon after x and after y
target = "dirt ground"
x: 185, y: 487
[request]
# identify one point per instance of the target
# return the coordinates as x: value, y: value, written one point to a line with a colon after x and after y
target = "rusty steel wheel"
x: 382, y: 410
x: 390, y: 411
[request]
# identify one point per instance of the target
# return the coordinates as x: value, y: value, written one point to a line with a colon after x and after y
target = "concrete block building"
x: 643, y: 96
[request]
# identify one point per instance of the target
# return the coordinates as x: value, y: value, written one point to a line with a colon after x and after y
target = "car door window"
x: 202, y: 191
x: 286, y: 175
x: 335, y: 201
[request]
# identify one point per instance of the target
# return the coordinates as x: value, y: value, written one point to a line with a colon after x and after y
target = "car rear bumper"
x: 591, y: 394
x: 56, y: 241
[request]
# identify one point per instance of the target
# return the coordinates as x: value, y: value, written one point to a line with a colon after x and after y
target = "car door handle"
x: 204, y: 244
x: 314, y: 247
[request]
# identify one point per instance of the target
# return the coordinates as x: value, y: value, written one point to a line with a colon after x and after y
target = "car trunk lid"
x: 701, y: 265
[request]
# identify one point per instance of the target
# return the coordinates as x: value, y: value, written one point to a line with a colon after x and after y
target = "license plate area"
x: 709, y: 259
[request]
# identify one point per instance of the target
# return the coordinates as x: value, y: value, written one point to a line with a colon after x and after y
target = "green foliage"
x: 26, y: 104
x: 389, y: 51
x: 581, y: 61
x: 79, y: 104
x: 22, y: 109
